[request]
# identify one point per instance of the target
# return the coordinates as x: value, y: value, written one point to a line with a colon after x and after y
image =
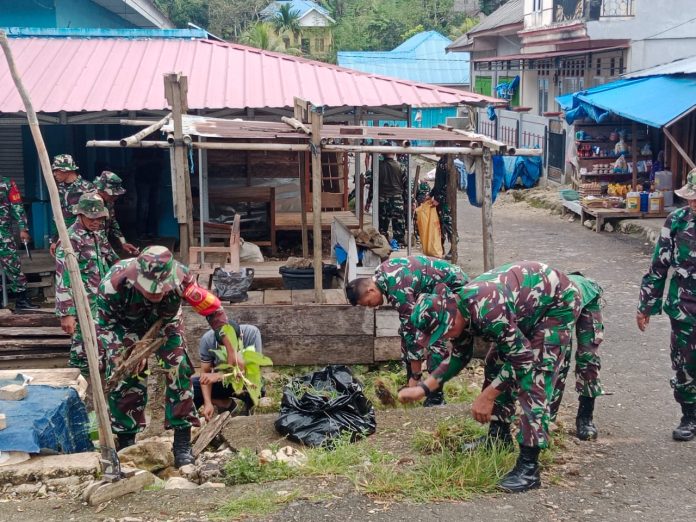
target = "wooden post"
x: 375, y: 190
x: 452, y: 184
x: 634, y: 154
x: 487, y: 210
x: 175, y: 90
x: 679, y: 148
x: 203, y: 209
x: 316, y: 119
x: 84, y: 314
x: 302, y: 158
x: 357, y: 180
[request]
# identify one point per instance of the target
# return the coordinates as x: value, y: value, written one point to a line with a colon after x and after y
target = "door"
x: 483, y: 85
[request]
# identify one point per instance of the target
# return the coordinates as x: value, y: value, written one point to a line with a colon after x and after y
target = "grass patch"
x: 256, y: 504
x: 245, y: 468
x: 449, y: 435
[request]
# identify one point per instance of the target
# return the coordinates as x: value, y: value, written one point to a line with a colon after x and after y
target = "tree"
x: 488, y: 6
x: 181, y: 12
x: 262, y: 36
x: 287, y: 20
x: 230, y: 19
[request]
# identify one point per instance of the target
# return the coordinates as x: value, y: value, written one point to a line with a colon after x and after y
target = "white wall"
x: 314, y: 19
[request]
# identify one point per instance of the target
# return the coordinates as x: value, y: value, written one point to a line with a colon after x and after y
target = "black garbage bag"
x: 232, y: 286
x: 320, y: 406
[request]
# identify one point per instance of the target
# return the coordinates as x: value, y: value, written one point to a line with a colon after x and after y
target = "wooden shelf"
x: 596, y: 174
x: 612, y: 158
x: 606, y: 141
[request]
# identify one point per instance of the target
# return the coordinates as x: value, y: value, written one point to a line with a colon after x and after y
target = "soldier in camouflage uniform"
x: 11, y: 209
x: 133, y: 296
x: 392, y: 194
x: 439, y: 196
x: 110, y: 187
x: 676, y: 249
x: 589, y: 333
x: 94, y: 258
x: 70, y: 187
x: 527, y: 309
x: 400, y: 281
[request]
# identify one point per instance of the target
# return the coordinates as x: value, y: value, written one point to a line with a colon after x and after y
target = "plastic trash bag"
x: 319, y: 406
x: 232, y: 286
x: 428, y: 224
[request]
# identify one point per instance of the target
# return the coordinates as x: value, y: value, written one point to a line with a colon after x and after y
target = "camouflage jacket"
x: 123, y: 310
x: 69, y: 194
x: 676, y: 249
x: 113, y: 229
x: 401, y: 280
x: 589, y: 289
x: 398, y: 184
x: 439, y: 190
x: 504, y: 306
x: 94, y: 258
x: 10, y: 207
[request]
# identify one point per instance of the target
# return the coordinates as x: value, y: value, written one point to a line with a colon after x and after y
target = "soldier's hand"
x: 236, y: 360
x: 68, y: 324
x: 642, y: 321
x: 210, y: 378
x: 482, y: 408
x: 208, y: 411
x: 131, y: 249
x: 24, y: 235
x: 411, y: 394
x: 52, y: 250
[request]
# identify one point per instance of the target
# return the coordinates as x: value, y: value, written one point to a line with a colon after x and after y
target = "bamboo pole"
x: 110, y: 461
x: 487, y: 210
x: 452, y: 185
x: 303, y: 203
x: 138, y: 136
x: 375, y: 190
x: 316, y: 119
x: 296, y: 124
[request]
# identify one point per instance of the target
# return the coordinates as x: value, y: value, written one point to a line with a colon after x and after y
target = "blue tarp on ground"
x: 654, y: 101
x: 47, y: 419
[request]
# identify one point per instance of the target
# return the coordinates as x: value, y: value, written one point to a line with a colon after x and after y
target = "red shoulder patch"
x: 15, y: 196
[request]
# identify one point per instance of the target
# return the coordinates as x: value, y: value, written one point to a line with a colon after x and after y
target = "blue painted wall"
x: 58, y: 13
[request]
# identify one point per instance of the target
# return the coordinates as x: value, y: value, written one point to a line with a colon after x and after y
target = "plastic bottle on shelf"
x: 633, y: 201
x: 644, y: 201
x: 656, y: 202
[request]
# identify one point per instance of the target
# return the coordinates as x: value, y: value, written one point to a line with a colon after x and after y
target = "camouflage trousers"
x: 391, y: 208
x: 127, y: 402
x: 683, y: 354
x: 551, y: 339
x: 9, y: 263
x: 410, y: 351
x: 78, y: 355
x: 445, y: 216
x: 589, y: 334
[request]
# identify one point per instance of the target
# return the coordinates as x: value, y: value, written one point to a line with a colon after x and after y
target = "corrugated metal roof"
x: 115, y: 74
x: 421, y: 58
x: 509, y: 13
x: 683, y: 66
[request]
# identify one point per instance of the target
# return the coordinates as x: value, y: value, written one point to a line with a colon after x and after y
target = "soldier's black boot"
x: 182, y: 447
x: 22, y: 302
x: 525, y: 475
x: 436, y: 398
x: 584, y: 426
x: 687, y: 427
x: 125, y: 440
x: 498, y: 433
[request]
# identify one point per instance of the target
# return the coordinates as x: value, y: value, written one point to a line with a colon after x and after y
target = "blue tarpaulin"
x: 524, y: 170
x: 47, y: 418
x: 654, y: 101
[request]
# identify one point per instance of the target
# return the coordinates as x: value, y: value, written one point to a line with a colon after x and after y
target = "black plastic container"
x: 303, y: 278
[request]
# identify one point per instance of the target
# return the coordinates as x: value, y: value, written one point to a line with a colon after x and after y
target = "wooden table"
x: 601, y: 214
x: 293, y: 220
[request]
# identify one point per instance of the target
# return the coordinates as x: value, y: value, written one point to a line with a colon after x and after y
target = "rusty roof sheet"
x: 116, y: 74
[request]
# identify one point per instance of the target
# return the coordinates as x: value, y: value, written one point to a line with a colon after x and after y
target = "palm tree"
x: 262, y: 36
x: 287, y: 19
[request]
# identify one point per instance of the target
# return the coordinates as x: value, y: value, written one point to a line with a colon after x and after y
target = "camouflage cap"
x: 109, y: 183
x: 64, y: 162
x: 156, y: 270
x: 688, y: 191
x: 433, y: 316
x: 91, y: 205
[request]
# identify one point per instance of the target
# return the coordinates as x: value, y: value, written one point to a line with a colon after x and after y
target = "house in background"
x: 316, y: 36
x: 563, y: 46
x: 103, y: 14
x: 422, y: 58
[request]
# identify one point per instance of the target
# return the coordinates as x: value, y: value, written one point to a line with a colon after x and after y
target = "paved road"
x: 635, y: 471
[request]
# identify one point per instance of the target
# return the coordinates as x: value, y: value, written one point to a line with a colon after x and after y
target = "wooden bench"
x: 293, y: 220
x: 601, y: 214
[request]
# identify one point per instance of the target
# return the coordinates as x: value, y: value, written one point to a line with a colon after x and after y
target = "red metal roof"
x: 115, y: 74
x: 550, y: 54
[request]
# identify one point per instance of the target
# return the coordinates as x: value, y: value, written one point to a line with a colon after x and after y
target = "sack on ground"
x: 322, y: 405
x: 429, y: 229
x: 232, y: 286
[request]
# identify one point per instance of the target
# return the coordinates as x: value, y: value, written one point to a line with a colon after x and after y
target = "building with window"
x: 316, y: 36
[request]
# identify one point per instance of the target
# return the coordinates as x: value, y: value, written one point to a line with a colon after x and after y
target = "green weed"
x: 255, y: 504
x: 245, y: 468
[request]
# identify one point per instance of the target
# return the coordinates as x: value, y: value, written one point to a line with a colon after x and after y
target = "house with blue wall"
x: 422, y: 58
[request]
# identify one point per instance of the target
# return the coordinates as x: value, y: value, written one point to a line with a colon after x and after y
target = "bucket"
x: 656, y: 203
x: 303, y: 278
x: 644, y: 200
x: 633, y: 201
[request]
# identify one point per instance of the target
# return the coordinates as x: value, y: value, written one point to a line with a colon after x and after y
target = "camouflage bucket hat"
x: 688, y: 191
x: 433, y: 316
x: 91, y: 205
x: 156, y: 270
x: 109, y: 183
x: 64, y: 162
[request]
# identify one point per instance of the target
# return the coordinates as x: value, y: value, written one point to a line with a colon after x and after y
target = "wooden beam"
x: 452, y: 186
x: 304, y: 167
x: 296, y: 124
x: 634, y: 159
x: 316, y: 120
x: 375, y: 190
x: 679, y: 148
x: 487, y: 210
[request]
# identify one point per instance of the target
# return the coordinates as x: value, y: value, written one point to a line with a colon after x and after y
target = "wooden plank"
x: 30, y: 320
x: 56, y: 361
x: 302, y: 296
x: 277, y: 297
x: 336, y: 296
x: 327, y: 349
x: 255, y: 298
x: 387, y: 349
x: 209, y: 432
x: 317, y: 120
x: 31, y: 356
x: 42, y: 331
x: 293, y: 220
x: 21, y: 342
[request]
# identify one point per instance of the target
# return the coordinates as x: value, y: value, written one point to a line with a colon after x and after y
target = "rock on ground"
x: 152, y: 455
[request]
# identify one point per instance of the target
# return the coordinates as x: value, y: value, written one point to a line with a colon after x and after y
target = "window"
x: 319, y: 45
x: 543, y: 95
x: 536, y: 5
x: 305, y: 45
x: 612, y: 67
